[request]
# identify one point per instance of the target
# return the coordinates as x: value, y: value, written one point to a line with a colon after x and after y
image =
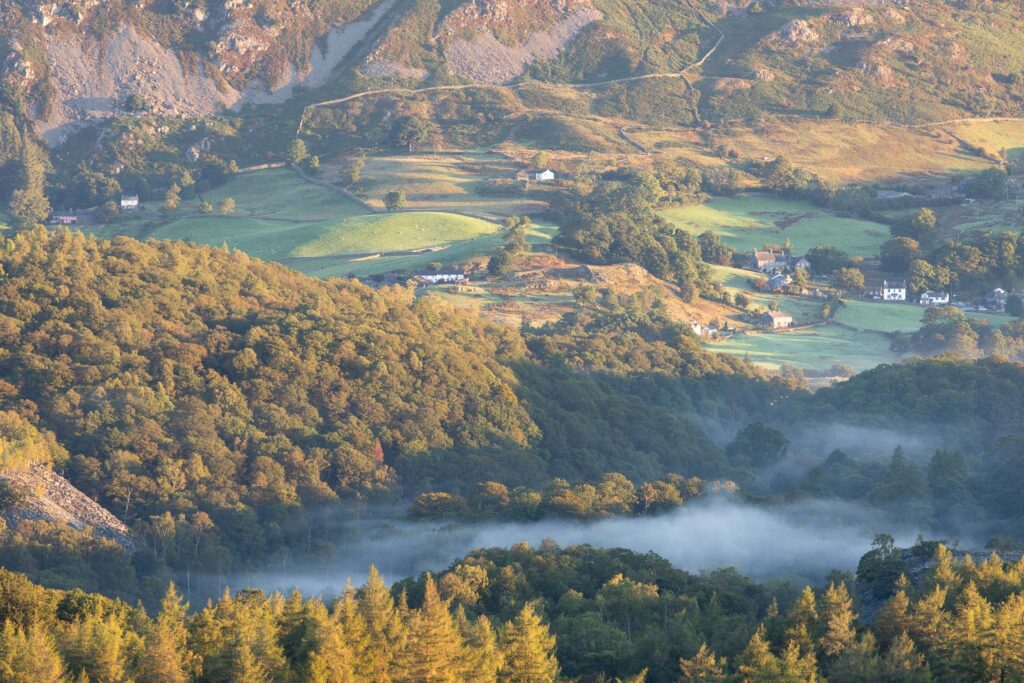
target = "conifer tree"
x: 757, y: 663
x: 357, y: 635
x: 165, y: 657
x: 528, y: 650
x: 383, y: 626
x: 903, y: 663
x: 29, y: 656
x: 703, y: 667
x: 859, y: 663
x: 432, y: 649
x: 837, y: 620
x: 893, y: 617
x: 481, y: 657
x: 330, y: 659
x: 796, y: 667
x: 99, y: 646
x: 802, y: 620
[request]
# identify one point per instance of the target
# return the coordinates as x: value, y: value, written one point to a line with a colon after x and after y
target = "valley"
x: 551, y: 340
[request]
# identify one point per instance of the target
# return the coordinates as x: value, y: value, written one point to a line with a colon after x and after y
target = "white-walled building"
x: 894, y: 291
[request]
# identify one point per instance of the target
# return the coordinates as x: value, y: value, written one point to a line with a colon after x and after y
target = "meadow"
x: 993, y: 136
x: 883, y: 317
x: 814, y: 349
x: 316, y: 230
x: 852, y: 152
x: 750, y: 221
x: 442, y: 182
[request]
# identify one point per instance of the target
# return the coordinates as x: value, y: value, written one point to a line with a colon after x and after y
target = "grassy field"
x: 750, y: 221
x: 441, y: 182
x: 873, y: 315
x: 993, y: 136
x: 852, y: 152
x: 817, y: 348
x: 281, y: 217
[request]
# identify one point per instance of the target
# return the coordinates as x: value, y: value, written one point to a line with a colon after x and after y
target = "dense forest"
x: 214, y: 402
x: 528, y: 615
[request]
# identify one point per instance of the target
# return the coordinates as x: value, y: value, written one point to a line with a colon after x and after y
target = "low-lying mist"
x: 802, y: 541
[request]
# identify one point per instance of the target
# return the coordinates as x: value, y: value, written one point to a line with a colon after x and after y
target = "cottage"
x: 931, y: 298
x: 63, y: 219
x: 696, y: 328
x: 894, y: 291
x: 764, y: 261
x: 441, y: 277
x: 800, y: 263
x: 129, y: 202
x: 538, y: 174
x: 778, y: 282
x: 775, y: 320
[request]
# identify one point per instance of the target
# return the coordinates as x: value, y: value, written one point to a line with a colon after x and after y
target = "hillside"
x: 43, y: 495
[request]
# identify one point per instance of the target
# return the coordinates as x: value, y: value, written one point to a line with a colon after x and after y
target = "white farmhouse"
x: 442, y: 277
x: 894, y: 291
x: 931, y: 298
x: 129, y: 202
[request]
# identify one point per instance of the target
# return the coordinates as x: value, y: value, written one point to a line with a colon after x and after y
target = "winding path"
x: 515, y: 86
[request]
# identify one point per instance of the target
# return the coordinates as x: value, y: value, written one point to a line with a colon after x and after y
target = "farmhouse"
x: 799, y: 263
x: 129, y: 202
x: 778, y: 282
x: 538, y: 174
x: 775, y: 320
x: 63, y: 219
x: 766, y: 261
x: 441, y: 277
x: 894, y: 291
x: 931, y: 298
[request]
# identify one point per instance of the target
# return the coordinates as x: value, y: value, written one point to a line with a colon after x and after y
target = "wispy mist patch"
x: 800, y: 540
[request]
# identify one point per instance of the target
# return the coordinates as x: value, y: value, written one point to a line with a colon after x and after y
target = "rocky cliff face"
x: 45, y: 495
x: 82, y: 60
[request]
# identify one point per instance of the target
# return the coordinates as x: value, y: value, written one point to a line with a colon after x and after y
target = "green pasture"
x: 892, y: 317
x: 816, y: 348
x: 279, y: 216
x: 445, y: 182
x: 749, y: 222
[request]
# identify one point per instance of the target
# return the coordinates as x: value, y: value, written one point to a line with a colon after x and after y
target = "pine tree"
x: 796, y: 667
x: 330, y: 658
x: 859, y: 663
x: 166, y: 658
x: 703, y: 667
x: 433, y: 649
x: 382, y: 625
x: 528, y: 650
x: 903, y: 663
x: 247, y: 668
x: 836, y: 620
x: 29, y: 656
x: 757, y: 663
x: 1007, y: 639
x: 481, y: 657
x: 357, y: 635
x: 893, y: 617
x: 97, y: 645
x: 802, y: 620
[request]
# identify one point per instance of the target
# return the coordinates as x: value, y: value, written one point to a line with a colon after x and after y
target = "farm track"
x: 681, y: 74
x: 516, y: 86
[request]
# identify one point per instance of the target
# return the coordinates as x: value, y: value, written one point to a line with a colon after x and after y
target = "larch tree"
x: 433, y: 649
x: 166, y: 657
x: 703, y: 667
x: 836, y: 620
x: 528, y: 650
x: 29, y: 656
x: 481, y: 656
